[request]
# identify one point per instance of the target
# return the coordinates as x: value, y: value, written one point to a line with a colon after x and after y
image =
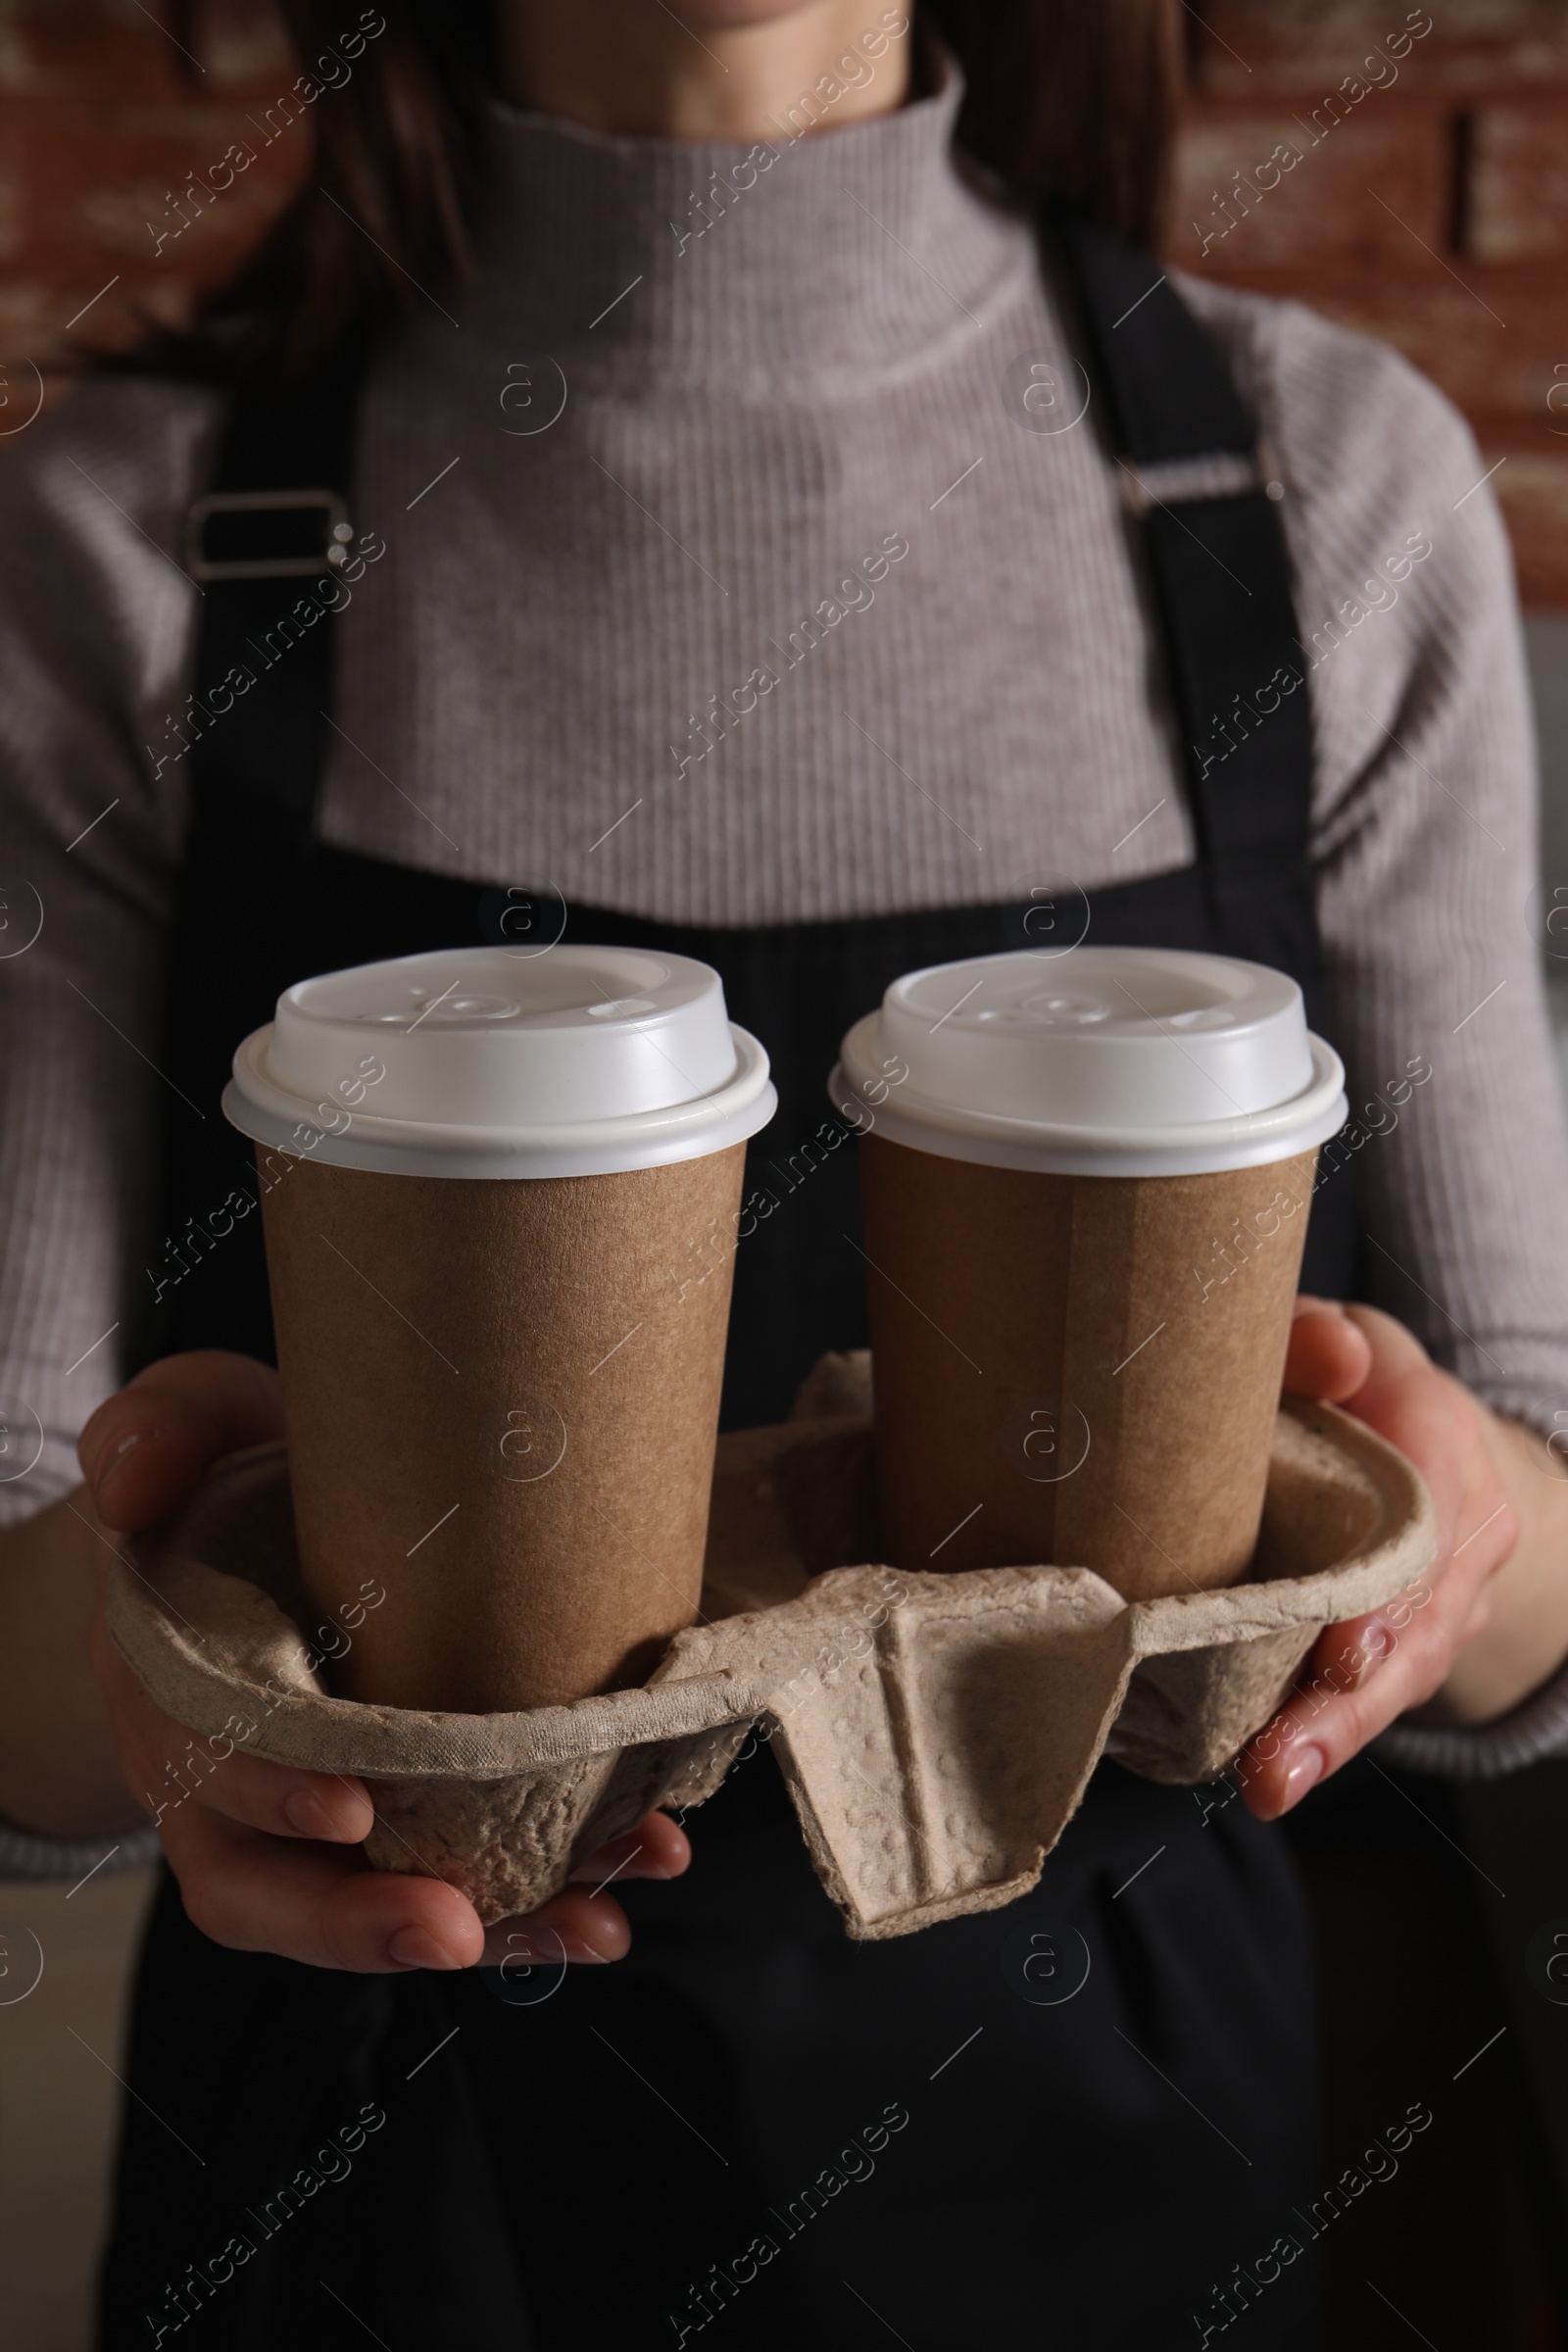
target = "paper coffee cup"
x: 1086, y: 1181
x: 500, y: 1198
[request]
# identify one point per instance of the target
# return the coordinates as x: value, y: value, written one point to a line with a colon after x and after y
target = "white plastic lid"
x: 473, y: 1061
x: 1105, y: 1061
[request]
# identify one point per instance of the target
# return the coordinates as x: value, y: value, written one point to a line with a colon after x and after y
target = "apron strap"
x: 1206, y: 496
x: 267, y: 543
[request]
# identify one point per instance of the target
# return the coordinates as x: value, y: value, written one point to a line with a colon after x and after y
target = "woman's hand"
x: 1366, y: 1672
x: 269, y: 1858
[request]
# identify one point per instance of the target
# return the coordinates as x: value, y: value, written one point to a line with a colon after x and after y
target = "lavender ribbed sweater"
x: 753, y: 416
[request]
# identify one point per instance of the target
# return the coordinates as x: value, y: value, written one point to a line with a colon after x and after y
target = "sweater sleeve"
x: 95, y: 639
x: 26, y: 1855
x: 1426, y: 850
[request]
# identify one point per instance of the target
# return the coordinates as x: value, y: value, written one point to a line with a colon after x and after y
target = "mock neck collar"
x: 765, y: 269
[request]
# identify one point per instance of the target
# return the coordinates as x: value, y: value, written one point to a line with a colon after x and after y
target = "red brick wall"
x: 101, y: 119
x: 1433, y: 210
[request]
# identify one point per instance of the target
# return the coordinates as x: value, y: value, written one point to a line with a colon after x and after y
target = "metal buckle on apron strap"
x: 1220, y: 473
x: 264, y: 550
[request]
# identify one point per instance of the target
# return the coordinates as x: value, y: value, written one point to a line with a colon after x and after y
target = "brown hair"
x: 1077, y: 98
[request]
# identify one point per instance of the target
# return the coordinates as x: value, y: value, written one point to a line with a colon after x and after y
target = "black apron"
x: 956, y: 2137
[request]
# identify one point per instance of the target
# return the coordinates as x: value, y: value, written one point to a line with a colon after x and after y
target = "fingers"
x: 1368, y: 1672
x: 168, y: 1768
x: 144, y: 1448
x: 327, y: 1908
x: 578, y: 1927
x: 656, y: 1849
x: 1363, y: 1675
x: 269, y: 1858
x: 1359, y: 1677
x: 169, y: 1765
x: 257, y: 1876
x: 313, y: 1904
x: 574, y: 1927
x: 1329, y: 1357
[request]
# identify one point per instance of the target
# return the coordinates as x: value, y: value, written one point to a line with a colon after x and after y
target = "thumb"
x: 144, y: 1448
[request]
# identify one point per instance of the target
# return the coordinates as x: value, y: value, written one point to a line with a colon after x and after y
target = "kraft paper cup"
x: 1087, y: 1182
x: 498, y: 1196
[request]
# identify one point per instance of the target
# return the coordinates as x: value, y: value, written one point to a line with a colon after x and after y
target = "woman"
x: 762, y: 366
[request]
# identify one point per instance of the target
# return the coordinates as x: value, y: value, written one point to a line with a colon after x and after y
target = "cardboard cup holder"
x: 936, y: 1732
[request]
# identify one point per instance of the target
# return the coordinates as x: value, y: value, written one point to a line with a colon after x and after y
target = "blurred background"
x: 1431, y: 211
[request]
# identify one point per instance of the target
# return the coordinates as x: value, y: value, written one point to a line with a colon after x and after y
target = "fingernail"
x: 416, y: 1947
x: 304, y: 1811
x: 1308, y: 1768
x: 1377, y: 1639
x: 110, y: 1462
